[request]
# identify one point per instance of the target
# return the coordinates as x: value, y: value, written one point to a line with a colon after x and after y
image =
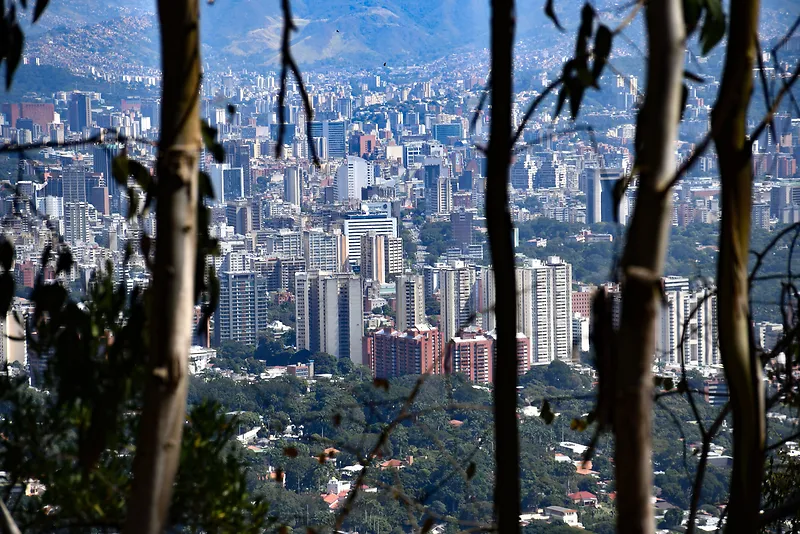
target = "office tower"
x: 523, y: 173
x: 410, y: 301
x: 600, y: 185
x: 351, y: 177
x: 241, y: 159
x: 335, y: 134
x: 416, y: 350
x: 73, y: 179
x: 242, y: 310
x: 216, y: 174
x: 233, y: 186
x: 381, y: 257
x: 471, y: 354
x: 461, y: 228
x: 325, y: 251
x: 284, y: 244
x: 103, y: 156
x: 99, y: 199
x: 456, y: 287
x: 444, y: 133
x: 291, y: 185
x: 76, y: 215
x: 547, y: 176
x: 80, y: 112
x: 329, y: 310
x: 437, y: 189
x: 239, y: 214
x: 356, y: 226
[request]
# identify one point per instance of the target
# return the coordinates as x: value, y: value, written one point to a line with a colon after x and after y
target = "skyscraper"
x: 103, y: 156
x: 410, y: 301
x: 291, y: 185
x: 461, y: 228
x: 76, y: 215
x: 352, y: 176
x: 686, y: 327
x: 357, y: 225
x: 242, y: 310
x: 437, y: 188
x: 335, y: 134
x: 600, y: 185
x: 80, y: 112
x: 325, y: 251
x: 381, y: 257
x: 329, y: 311
x: 74, y: 183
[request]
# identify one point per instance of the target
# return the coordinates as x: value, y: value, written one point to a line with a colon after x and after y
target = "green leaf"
x: 6, y: 253
x: 41, y: 5
x: 550, y: 11
x: 140, y: 175
x: 16, y: 41
x: 713, y: 25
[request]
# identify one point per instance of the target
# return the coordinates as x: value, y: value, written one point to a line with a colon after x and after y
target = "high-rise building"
x: 437, y: 188
x: 80, y: 112
x: 74, y: 183
x: 233, y: 185
x: 291, y: 185
x: 523, y: 172
x: 242, y: 311
x: 239, y: 215
x: 416, y: 350
x: 13, y: 345
x: 352, y: 176
x: 330, y: 314
x: 600, y: 185
x: 410, y: 301
x: 103, y: 156
x: 325, y: 251
x: 381, y: 257
x: 472, y: 354
x: 335, y: 134
x: 461, y: 228
x: 76, y: 222
x: 686, y: 327
x: 357, y: 225
x: 444, y: 133
x: 456, y: 286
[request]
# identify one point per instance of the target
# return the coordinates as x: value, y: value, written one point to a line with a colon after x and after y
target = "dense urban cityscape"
x: 375, y: 263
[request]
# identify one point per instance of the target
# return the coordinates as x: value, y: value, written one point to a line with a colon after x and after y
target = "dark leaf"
x: 6, y: 293
x: 140, y: 174
x: 602, y: 49
x: 471, y: 470
x: 692, y: 76
x: 120, y: 170
x: 337, y: 419
x: 576, y: 90
x: 210, y: 141
x: 24, y: 4
x: 64, y: 261
x: 291, y: 452
x: 6, y: 253
x: 231, y: 109
x: 427, y: 525
x: 381, y: 383
x: 206, y: 189
x: 550, y: 11
x: 146, y: 243
x: 692, y: 9
x: 684, y: 100
x: 16, y: 41
x: 133, y: 203
x: 713, y: 25
x: 547, y: 414
x: 562, y: 97
x: 41, y: 5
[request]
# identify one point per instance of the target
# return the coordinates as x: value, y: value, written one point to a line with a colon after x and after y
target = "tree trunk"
x: 498, y: 221
x: 643, y: 264
x: 172, y: 297
x: 742, y: 368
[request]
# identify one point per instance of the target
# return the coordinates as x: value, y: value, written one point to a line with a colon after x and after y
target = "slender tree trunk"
x: 506, y: 492
x: 643, y: 265
x: 742, y: 368
x: 172, y: 298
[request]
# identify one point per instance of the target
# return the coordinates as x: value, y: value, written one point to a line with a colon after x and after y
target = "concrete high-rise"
x: 359, y: 225
x: 437, y: 188
x: 686, y: 327
x: 351, y: 177
x: 80, y: 112
x: 335, y: 135
x: 329, y: 312
x: 242, y: 311
x: 76, y: 222
x: 461, y: 227
x: 73, y: 179
x: 415, y: 350
x: 456, y: 286
x: 410, y: 301
x: 325, y: 251
x: 381, y: 257
x: 103, y: 156
x: 291, y: 185
x: 600, y: 185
